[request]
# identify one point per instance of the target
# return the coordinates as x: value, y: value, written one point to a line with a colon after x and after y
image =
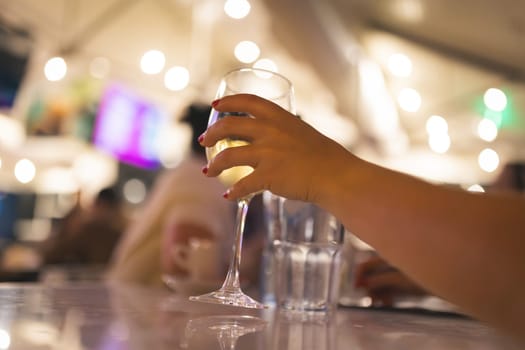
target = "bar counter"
x: 103, y: 316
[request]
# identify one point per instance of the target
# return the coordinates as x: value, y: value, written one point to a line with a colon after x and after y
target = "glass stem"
x: 232, y: 278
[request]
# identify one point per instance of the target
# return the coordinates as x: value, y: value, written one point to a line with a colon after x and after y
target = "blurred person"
x: 462, y: 246
x: 88, y: 236
x: 182, y: 205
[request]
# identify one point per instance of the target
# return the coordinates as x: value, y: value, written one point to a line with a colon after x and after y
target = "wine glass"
x: 227, y: 329
x: 276, y: 88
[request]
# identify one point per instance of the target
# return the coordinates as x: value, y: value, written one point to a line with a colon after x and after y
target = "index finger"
x: 254, y: 105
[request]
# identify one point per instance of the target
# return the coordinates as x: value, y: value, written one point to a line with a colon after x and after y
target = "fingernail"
x: 215, y: 103
x: 201, y: 138
x: 205, y: 170
x: 226, y: 194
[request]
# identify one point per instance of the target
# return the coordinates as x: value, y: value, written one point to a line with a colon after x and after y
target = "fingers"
x: 247, y: 185
x: 230, y: 157
x: 251, y: 104
x: 243, y: 128
x: 386, y: 280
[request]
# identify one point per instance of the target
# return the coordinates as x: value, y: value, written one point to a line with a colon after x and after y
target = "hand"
x: 290, y: 158
x: 384, y: 283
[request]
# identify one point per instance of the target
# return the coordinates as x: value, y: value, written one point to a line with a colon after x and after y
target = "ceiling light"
x: 400, y: 65
x: 409, y: 100
x: 266, y: 63
x: 439, y: 143
x: 247, y: 51
x: 237, y: 8
x: 487, y: 130
x: 152, y: 62
x: 436, y: 125
x: 488, y: 160
x: 176, y: 78
x: 495, y: 99
x: 55, y: 69
x: 25, y: 171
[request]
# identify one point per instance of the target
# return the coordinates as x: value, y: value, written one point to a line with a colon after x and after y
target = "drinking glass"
x: 227, y: 328
x: 276, y: 88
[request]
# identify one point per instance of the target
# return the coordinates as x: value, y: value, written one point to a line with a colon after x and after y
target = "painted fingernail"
x: 201, y: 138
x: 205, y: 170
x: 215, y: 103
x: 226, y: 194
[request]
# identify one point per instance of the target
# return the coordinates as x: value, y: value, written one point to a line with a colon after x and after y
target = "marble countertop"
x: 100, y: 316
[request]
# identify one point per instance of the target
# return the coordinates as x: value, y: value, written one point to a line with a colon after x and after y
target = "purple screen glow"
x: 127, y: 127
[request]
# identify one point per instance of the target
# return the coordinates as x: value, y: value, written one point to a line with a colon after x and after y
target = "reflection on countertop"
x: 96, y: 315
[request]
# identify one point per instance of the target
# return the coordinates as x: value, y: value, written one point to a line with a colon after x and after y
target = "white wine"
x: 232, y: 175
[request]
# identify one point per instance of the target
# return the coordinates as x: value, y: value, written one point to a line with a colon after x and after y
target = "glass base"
x: 229, y: 297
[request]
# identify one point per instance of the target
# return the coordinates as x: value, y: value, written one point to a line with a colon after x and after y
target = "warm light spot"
x: 436, y: 125
x: 495, y: 99
x: 55, y: 69
x: 134, y: 191
x: 488, y: 160
x: 25, y: 171
x: 439, y: 143
x: 267, y: 64
x: 176, y: 78
x: 247, y: 51
x: 5, y: 339
x: 237, y: 8
x: 152, y: 62
x: 400, y: 65
x: 475, y: 188
x: 487, y: 130
x: 409, y: 100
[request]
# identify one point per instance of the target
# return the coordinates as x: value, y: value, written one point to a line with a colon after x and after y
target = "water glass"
x: 307, y: 258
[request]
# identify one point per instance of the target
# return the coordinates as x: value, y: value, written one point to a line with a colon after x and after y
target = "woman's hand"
x: 384, y: 283
x: 290, y: 158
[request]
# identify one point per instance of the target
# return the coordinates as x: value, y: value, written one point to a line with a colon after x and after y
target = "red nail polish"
x: 205, y: 170
x: 200, y: 138
x: 215, y: 103
x: 226, y: 194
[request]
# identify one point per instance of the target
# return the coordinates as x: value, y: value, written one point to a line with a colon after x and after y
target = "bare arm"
x: 465, y: 247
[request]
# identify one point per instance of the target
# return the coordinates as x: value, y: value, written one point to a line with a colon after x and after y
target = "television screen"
x: 15, y: 48
x: 127, y: 127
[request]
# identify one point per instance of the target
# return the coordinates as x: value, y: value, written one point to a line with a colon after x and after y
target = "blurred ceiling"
x: 332, y: 50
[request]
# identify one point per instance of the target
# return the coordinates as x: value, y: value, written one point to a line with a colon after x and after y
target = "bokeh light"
x: 152, y: 62
x: 267, y: 64
x: 436, y: 125
x: 475, y: 188
x: 237, y: 9
x: 439, y: 143
x: 400, y: 65
x: 495, y: 99
x: 487, y: 130
x: 488, y: 160
x: 247, y: 51
x: 25, y: 171
x: 55, y: 69
x: 177, y: 78
x: 134, y: 191
x: 409, y: 100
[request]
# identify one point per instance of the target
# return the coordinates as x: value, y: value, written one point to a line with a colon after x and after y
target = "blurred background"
x: 91, y: 91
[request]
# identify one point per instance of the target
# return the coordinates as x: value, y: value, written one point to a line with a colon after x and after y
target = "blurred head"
x: 196, y: 117
x: 511, y: 178
x: 107, y: 197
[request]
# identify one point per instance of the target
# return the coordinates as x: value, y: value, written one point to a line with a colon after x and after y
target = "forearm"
x: 462, y: 246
